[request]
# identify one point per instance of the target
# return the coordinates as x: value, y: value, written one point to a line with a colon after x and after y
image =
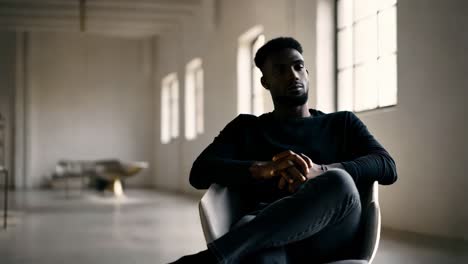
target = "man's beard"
x: 292, y: 100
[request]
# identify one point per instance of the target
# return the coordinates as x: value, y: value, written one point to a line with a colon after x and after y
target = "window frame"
x: 250, y: 92
x: 170, y: 105
x: 378, y: 57
x: 194, y: 85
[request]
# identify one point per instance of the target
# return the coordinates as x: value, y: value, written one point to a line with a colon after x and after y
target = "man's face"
x: 286, y: 77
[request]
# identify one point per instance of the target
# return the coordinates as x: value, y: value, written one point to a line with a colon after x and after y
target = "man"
x: 300, y: 169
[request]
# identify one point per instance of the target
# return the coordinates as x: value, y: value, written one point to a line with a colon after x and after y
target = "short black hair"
x: 273, y: 46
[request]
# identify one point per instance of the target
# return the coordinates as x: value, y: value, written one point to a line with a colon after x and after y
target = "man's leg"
x: 336, y: 242
x: 276, y: 255
x: 320, y: 203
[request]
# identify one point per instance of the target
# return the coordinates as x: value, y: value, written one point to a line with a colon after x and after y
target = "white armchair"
x: 220, y: 207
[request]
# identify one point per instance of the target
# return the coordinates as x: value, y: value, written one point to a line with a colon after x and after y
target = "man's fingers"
x: 301, y: 163
x: 282, y: 182
x: 284, y: 163
x: 295, y: 175
x: 282, y: 155
x: 307, y: 160
x: 288, y: 179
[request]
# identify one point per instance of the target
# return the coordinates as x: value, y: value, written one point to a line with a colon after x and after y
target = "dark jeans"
x: 316, y: 224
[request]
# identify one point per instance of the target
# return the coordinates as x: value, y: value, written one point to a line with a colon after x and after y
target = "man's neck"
x: 284, y: 113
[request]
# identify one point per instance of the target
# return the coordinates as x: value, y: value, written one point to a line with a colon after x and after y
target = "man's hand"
x: 296, y: 173
x: 293, y: 169
x: 263, y: 170
x: 289, y: 175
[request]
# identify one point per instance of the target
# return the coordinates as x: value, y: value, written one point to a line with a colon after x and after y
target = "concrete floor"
x: 149, y: 227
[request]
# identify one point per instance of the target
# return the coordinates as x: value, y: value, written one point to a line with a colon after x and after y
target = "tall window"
x: 194, y: 123
x: 256, y: 86
x: 169, y: 108
x: 251, y: 93
x: 366, y: 54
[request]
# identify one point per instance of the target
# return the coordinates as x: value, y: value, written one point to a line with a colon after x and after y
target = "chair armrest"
x: 219, y: 208
x: 371, y: 224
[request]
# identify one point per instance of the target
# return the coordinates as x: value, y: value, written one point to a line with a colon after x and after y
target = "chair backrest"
x: 218, y: 208
x: 371, y: 222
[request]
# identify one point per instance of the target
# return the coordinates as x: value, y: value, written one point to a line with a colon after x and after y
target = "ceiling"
x: 123, y: 18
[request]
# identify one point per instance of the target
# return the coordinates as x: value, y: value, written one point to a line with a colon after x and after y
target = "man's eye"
x: 299, y: 66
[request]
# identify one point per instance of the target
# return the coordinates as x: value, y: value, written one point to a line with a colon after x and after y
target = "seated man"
x: 299, y: 169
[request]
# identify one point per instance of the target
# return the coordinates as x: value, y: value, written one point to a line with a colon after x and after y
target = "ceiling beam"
x: 130, y: 17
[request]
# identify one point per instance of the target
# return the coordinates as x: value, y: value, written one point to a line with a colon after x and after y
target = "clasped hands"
x: 293, y: 169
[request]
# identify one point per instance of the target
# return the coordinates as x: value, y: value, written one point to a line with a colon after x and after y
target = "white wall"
x: 424, y: 132
x: 89, y: 97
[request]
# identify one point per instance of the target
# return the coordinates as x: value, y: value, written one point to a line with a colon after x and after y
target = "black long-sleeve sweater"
x: 326, y: 138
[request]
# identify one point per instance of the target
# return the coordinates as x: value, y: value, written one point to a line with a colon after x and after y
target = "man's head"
x: 284, y: 72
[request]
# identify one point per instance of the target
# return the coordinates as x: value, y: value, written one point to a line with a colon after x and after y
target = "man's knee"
x: 341, y: 181
x: 335, y: 185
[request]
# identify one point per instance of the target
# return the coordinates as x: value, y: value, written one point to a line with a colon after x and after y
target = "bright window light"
x: 366, y: 54
x: 257, y: 88
x: 169, y: 108
x: 194, y: 119
x: 345, y: 90
x: 251, y: 94
x: 165, y: 115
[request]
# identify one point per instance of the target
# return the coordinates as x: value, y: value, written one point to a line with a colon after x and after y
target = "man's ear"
x: 307, y: 71
x: 264, y: 83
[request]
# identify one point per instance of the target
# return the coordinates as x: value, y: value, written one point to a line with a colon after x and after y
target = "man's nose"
x: 293, y: 74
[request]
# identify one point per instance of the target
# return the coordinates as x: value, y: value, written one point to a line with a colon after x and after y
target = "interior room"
x: 106, y: 104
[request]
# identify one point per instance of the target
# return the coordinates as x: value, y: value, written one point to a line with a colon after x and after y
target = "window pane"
x: 345, y: 13
x: 258, y: 43
x: 345, y: 48
x: 257, y: 96
x: 364, y: 8
x: 193, y: 99
x: 345, y: 90
x: 387, y: 80
x: 199, y: 101
x: 365, y: 40
x: 366, y: 92
x: 385, y: 3
x: 174, y: 109
x: 189, y: 105
x: 165, y: 114
x: 387, y: 31
x: 257, y: 92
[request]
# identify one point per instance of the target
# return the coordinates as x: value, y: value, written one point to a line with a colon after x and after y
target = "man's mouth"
x: 295, y: 87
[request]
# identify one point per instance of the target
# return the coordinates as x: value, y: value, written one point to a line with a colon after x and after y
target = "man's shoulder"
x: 248, y: 117
x: 332, y: 115
x: 244, y: 118
x: 241, y: 121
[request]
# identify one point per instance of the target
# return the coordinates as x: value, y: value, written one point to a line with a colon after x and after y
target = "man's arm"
x: 220, y: 162
x: 369, y: 161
